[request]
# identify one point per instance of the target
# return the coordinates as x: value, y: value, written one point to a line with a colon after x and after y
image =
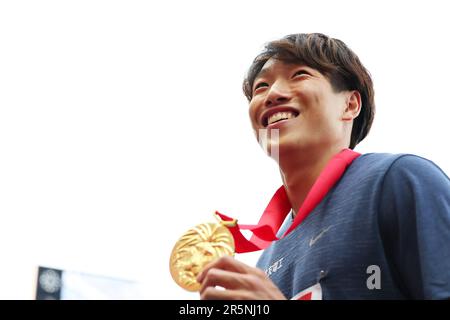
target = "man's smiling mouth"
x: 279, y: 116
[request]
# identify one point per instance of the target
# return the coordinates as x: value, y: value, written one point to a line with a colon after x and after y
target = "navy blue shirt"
x: 388, y: 212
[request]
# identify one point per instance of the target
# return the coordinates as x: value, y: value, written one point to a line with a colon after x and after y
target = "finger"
x: 225, y: 263
x: 219, y: 294
x: 225, y: 279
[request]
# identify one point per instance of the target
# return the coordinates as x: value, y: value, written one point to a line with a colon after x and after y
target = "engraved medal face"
x: 195, y: 249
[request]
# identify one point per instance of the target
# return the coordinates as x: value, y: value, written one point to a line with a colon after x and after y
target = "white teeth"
x: 280, y: 116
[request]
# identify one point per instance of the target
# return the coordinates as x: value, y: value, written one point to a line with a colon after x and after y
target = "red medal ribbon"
x: 279, y: 206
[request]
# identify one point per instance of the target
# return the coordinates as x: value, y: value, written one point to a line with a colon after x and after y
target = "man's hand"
x: 241, y: 282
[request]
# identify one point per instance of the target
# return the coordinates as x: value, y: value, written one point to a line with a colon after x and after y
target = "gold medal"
x: 199, y: 246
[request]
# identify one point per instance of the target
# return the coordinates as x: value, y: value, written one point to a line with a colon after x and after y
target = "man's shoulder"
x: 400, y: 164
x: 372, y: 170
x: 399, y: 171
x: 394, y: 162
x: 375, y: 159
x: 374, y: 164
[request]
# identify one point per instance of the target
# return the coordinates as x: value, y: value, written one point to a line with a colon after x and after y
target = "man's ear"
x: 353, y: 105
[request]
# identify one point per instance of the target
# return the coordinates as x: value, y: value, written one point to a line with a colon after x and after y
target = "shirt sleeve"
x: 414, y: 220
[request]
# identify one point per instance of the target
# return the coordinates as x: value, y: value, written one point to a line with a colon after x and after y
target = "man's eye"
x: 260, y: 85
x: 300, y: 72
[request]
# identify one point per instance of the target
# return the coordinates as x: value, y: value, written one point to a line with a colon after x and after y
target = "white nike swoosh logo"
x: 314, y: 239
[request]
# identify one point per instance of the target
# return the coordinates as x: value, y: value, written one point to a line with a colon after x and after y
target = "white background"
x: 122, y: 123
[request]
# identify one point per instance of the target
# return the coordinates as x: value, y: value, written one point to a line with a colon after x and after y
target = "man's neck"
x: 299, y: 173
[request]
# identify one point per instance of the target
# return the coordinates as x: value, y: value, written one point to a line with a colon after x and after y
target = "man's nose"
x: 278, y: 94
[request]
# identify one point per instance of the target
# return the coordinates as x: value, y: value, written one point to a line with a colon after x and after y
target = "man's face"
x: 301, y: 103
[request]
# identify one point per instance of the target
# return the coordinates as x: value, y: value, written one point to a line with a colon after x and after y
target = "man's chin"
x: 280, y: 149
x: 275, y: 144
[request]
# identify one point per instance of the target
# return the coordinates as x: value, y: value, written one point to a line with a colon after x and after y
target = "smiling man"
x: 343, y: 225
